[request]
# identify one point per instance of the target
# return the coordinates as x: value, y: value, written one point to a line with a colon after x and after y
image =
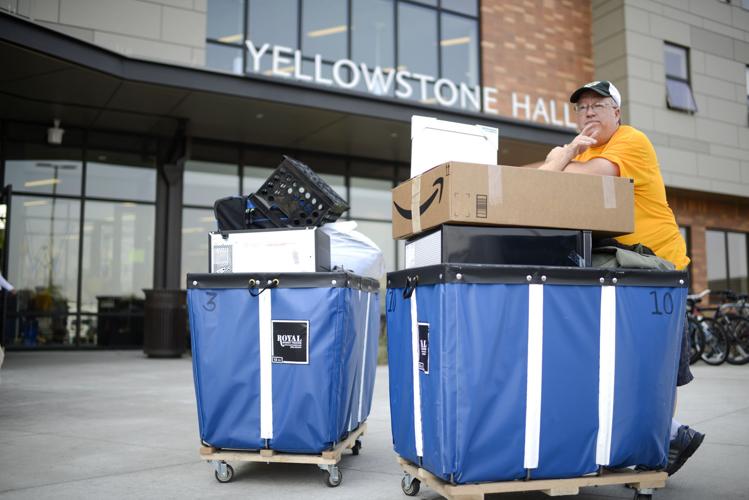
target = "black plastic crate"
x: 295, y: 196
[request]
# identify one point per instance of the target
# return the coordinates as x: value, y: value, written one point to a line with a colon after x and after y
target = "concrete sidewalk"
x: 117, y: 425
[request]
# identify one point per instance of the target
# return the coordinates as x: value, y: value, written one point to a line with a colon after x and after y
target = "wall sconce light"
x: 54, y: 134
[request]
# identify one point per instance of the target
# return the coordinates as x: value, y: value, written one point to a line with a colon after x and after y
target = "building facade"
x: 122, y: 121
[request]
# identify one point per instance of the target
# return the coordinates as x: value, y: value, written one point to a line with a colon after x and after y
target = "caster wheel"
x: 228, y: 476
x: 356, y: 448
x: 643, y: 496
x: 410, y: 489
x: 334, y: 477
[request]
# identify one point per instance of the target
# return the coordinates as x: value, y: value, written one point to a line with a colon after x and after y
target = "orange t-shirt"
x: 655, y: 225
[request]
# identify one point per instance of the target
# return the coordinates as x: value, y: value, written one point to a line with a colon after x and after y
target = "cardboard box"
x: 496, y: 195
x: 434, y: 142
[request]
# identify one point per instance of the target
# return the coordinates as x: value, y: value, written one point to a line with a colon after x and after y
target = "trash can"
x: 282, y: 361
x: 165, y: 319
x: 507, y: 372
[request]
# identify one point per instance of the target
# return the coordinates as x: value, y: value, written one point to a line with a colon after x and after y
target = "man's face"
x: 599, y: 114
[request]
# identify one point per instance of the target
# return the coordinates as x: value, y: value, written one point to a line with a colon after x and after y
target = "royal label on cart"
x: 291, y: 342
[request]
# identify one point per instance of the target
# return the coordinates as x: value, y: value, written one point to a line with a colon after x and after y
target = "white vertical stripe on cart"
x: 415, y: 370
x: 266, y: 368
x: 364, y: 357
x: 358, y: 373
x: 606, y: 375
x: 535, y: 365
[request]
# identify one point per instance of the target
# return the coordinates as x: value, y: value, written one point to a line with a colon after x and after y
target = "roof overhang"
x: 48, y: 75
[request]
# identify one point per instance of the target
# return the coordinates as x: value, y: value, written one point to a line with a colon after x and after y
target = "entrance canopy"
x: 47, y: 75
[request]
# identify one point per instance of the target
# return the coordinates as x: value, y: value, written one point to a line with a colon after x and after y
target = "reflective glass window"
x: 274, y: 22
x: 253, y: 178
x: 325, y: 28
x: 120, y: 181
x: 224, y: 20
x: 49, y: 173
x: 337, y: 182
x: 676, y: 61
x: 370, y: 198
x: 196, y: 224
x: 417, y: 39
x: 684, y: 231
x: 460, y: 54
x: 224, y: 58
x: 205, y: 182
x: 678, y: 89
x: 469, y: 7
x: 373, y: 33
x: 679, y: 95
x: 737, y: 262
x: 43, y: 266
x: 717, y: 270
x: 118, y: 250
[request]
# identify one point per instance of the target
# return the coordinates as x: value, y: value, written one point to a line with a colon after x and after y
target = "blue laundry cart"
x: 499, y: 373
x: 282, y: 363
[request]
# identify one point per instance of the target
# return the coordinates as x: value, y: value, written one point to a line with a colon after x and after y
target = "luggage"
x: 282, y: 361
x: 495, y: 370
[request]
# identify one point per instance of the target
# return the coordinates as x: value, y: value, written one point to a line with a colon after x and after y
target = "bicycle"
x: 710, y: 340
x: 731, y: 317
x: 694, y: 329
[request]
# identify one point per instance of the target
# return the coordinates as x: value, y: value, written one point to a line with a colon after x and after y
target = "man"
x: 606, y: 147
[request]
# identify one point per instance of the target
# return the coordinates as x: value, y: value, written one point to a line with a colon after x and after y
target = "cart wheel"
x: 334, y: 477
x: 357, y: 446
x: 410, y: 489
x: 643, y: 496
x: 225, y: 478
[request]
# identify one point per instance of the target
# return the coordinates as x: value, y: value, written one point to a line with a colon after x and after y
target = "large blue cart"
x: 507, y: 373
x: 284, y: 365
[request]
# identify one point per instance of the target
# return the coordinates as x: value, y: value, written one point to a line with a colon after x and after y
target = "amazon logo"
x: 437, y: 185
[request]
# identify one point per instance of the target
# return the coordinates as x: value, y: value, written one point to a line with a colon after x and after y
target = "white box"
x: 434, y: 142
x: 304, y: 250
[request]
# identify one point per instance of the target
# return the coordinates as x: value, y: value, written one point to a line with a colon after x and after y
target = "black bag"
x: 230, y: 213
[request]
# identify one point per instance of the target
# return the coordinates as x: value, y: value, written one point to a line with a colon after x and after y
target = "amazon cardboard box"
x: 496, y: 195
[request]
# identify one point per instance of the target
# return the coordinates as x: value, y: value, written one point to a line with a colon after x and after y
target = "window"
x: 325, y: 28
x: 685, y: 233
x: 727, y: 260
x: 678, y: 87
x: 81, y: 242
x: 428, y: 39
x: 225, y: 31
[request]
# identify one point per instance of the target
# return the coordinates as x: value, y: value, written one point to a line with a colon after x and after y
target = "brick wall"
x: 537, y: 47
x: 701, y: 212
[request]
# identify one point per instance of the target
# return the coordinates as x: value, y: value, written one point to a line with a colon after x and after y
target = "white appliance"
x: 304, y: 250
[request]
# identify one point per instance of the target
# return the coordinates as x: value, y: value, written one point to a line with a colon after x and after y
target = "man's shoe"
x: 682, y: 447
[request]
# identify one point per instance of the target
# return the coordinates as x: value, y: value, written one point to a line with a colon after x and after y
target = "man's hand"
x: 585, y: 139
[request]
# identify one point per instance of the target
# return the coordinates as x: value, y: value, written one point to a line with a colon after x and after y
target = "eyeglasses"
x: 582, y: 109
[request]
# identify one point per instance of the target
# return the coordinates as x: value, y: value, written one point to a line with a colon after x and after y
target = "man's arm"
x: 559, y: 157
x: 594, y: 166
